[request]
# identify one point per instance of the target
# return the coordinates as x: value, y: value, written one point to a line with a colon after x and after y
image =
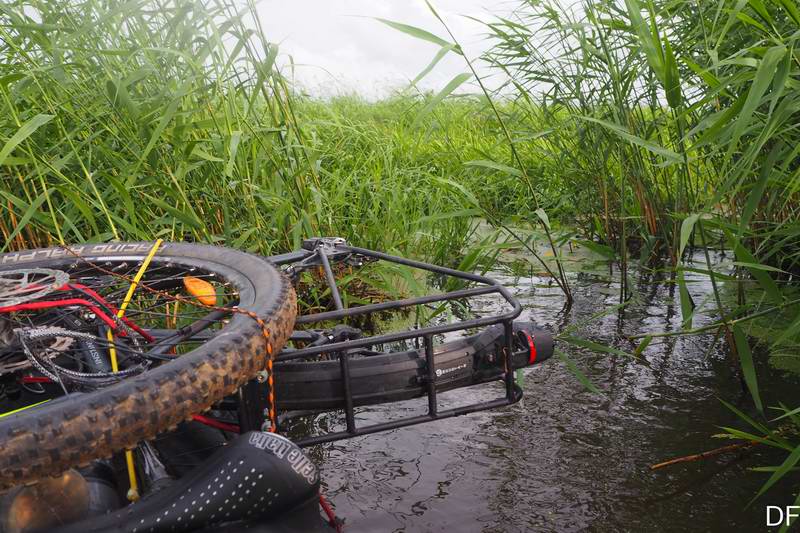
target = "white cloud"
x: 338, y: 47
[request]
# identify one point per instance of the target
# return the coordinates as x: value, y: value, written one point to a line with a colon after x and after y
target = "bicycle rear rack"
x: 319, y: 252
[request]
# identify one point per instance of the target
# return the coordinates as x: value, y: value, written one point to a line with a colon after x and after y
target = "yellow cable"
x: 121, y: 312
x: 23, y: 408
x: 133, y: 493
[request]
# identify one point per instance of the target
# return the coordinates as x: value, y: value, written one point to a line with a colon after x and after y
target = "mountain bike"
x: 151, y: 387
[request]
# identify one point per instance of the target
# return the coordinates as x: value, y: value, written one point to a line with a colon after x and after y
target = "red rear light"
x: 531, y: 348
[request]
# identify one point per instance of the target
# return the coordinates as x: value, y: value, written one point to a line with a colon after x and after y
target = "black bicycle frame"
x: 319, y: 252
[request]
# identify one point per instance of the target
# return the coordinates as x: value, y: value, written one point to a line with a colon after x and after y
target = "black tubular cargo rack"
x: 320, y: 252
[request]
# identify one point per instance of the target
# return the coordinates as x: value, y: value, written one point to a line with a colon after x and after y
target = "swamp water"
x: 565, y: 459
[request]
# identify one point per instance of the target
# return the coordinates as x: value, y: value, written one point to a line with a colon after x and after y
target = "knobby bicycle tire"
x: 77, y: 429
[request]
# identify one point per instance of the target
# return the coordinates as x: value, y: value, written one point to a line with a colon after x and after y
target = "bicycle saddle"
x: 258, y: 476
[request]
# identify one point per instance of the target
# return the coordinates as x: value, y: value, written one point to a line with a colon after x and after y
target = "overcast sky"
x: 338, y: 47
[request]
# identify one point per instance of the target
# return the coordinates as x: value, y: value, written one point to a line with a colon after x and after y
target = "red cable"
x: 332, y: 520
x: 35, y: 306
x: 224, y: 426
x: 96, y: 296
x: 34, y: 379
x: 233, y: 428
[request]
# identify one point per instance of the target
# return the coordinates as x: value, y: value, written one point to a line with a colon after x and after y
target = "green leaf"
x: 233, y: 147
x: 25, y: 131
x: 784, y: 527
x: 672, y: 82
x: 166, y: 118
x: 782, y: 470
x: 461, y: 213
x: 792, y: 330
x: 118, y: 93
x: 202, y: 154
x: 8, y: 79
x: 788, y: 414
x: 743, y: 435
x: 759, y: 7
x: 642, y: 346
x: 791, y: 7
x: 687, y: 303
x: 593, y: 346
x: 543, y: 217
x: 667, y: 154
x: 125, y: 196
x: 576, y: 372
x: 495, y: 166
x: 645, y: 38
x: 754, y: 199
x: 444, y: 93
x: 687, y: 226
x: 763, y: 79
x: 766, y: 282
x: 599, y: 249
x: 732, y: 15
x: 419, y: 33
x: 713, y: 132
x: 759, y: 266
x: 458, y: 186
x: 756, y: 425
x: 13, y: 161
x: 438, y: 57
x: 746, y: 361
x: 187, y: 218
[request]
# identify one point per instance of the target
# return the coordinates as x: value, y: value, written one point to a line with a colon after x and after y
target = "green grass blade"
x: 572, y: 367
x: 687, y: 227
x: 687, y: 303
x: 25, y: 131
x: 667, y: 154
x: 763, y: 79
x: 761, y: 275
x: 443, y: 51
x: 593, y: 346
x: 494, y: 166
x: 791, y: 460
x: 413, y: 31
x: 441, y: 95
x: 748, y: 368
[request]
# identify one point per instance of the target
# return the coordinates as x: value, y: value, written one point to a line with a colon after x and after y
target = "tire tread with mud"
x: 75, y: 430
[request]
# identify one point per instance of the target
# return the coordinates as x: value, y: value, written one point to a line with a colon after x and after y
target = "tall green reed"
x: 172, y: 119
x: 673, y: 123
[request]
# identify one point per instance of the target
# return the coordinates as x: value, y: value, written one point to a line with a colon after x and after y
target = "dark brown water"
x: 565, y: 459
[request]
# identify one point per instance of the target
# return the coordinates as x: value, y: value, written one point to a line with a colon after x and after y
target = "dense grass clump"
x: 658, y: 114
x: 169, y: 119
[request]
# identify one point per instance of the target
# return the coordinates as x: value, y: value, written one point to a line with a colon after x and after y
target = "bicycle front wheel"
x: 55, y: 306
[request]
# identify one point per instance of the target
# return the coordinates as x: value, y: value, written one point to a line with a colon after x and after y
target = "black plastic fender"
x: 402, y: 375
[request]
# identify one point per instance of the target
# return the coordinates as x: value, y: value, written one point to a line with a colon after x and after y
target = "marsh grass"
x: 673, y: 125
x: 170, y: 119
